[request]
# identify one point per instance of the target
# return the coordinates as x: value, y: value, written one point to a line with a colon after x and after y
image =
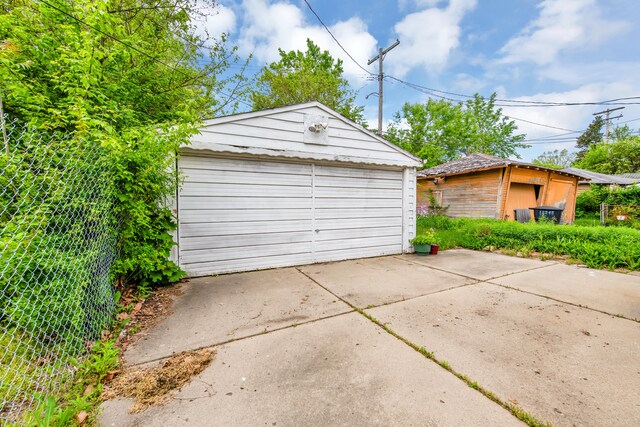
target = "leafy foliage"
x: 556, y: 159
x: 597, y: 247
x: 440, y: 131
x: 621, y: 156
x: 307, y: 76
x: 128, y: 77
x: 625, y: 198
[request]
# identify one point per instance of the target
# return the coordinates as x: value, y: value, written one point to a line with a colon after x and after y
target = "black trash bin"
x: 550, y: 213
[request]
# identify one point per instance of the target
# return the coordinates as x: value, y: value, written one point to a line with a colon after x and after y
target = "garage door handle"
x: 317, y: 230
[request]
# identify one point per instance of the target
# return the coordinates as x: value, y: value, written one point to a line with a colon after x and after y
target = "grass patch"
x: 597, y: 247
x: 76, y: 406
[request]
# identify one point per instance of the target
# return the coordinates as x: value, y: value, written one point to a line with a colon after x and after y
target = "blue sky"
x: 526, y: 50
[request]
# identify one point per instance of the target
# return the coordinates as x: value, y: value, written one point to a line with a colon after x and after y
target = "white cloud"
x: 269, y: 26
x: 561, y: 25
x: 214, y: 21
x: 571, y: 117
x: 429, y: 36
x: 468, y: 84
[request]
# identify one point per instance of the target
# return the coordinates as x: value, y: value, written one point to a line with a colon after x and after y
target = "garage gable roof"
x: 285, y: 132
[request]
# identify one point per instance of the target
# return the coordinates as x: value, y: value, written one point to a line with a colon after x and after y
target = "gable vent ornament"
x: 316, y: 129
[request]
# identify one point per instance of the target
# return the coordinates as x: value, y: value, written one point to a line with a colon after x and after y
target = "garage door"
x: 238, y: 215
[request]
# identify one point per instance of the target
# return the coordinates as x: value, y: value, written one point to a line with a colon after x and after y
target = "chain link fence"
x: 627, y: 214
x: 57, y: 244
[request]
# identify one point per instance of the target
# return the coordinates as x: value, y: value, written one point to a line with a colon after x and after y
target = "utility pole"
x: 607, y: 120
x: 380, y: 58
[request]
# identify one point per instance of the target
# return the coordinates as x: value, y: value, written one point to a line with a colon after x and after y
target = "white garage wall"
x: 261, y: 191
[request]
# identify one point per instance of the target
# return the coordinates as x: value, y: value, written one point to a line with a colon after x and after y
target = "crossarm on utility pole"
x: 380, y: 58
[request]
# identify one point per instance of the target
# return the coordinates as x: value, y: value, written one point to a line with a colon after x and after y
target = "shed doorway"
x: 521, y: 196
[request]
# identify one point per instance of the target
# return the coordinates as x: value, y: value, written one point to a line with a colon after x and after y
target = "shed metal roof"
x: 599, y: 178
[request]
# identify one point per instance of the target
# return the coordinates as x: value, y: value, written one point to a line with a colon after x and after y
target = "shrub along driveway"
x: 461, y: 338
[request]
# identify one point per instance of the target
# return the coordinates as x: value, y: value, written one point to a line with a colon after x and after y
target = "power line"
x: 335, y: 39
x: 540, y: 124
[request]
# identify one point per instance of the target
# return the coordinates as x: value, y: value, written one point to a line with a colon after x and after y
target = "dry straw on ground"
x: 155, y: 385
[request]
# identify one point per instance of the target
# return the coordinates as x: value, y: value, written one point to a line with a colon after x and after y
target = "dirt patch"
x: 142, y: 315
x: 155, y: 386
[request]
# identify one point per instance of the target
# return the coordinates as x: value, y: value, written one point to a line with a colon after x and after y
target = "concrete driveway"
x: 364, y: 342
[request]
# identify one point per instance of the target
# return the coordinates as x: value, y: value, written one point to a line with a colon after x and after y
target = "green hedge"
x: 597, y: 247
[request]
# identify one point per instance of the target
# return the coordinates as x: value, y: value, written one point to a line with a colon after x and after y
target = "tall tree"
x: 590, y: 138
x: 440, y: 131
x: 616, y: 157
x: 556, y: 159
x: 313, y: 75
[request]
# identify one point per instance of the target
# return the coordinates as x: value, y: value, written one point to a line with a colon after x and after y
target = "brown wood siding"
x: 486, y: 194
x: 473, y: 195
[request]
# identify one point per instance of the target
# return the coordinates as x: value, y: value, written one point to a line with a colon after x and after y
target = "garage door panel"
x: 239, y: 228
x: 356, y: 233
x: 262, y: 178
x: 359, y: 182
x: 245, y: 190
x: 342, y: 254
x: 233, y: 215
x: 228, y: 266
x: 361, y: 193
x: 356, y: 223
x: 250, y: 251
x: 362, y: 242
x: 188, y: 203
x: 234, y: 241
x: 238, y: 215
x: 357, y: 213
x: 354, y: 202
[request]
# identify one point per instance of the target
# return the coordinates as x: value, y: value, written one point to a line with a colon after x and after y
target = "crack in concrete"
x: 471, y: 277
x: 573, y: 304
x: 229, y: 341
x: 514, y: 410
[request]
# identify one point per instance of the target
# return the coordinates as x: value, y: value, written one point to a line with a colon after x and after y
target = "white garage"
x: 290, y: 186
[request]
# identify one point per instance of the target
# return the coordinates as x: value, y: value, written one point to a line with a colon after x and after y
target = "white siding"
x: 371, y: 222
x: 243, y: 215
x: 279, y: 133
x: 238, y: 214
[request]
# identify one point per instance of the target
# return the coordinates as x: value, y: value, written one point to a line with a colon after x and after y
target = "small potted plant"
x: 422, y: 243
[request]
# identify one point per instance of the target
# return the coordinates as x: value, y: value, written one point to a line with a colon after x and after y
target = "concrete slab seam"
x: 514, y: 409
x: 620, y: 316
x: 218, y: 344
x: 470, y: 277
x: 384, y: 304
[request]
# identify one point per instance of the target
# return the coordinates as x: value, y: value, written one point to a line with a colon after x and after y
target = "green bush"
x: 588, y: 202
x: 597, y: 247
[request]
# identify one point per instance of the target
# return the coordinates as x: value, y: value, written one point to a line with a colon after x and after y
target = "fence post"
x: 4, y: 129
x: 603, y: 213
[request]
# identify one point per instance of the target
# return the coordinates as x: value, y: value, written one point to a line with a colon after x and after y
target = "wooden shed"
x: 289, y: 186
x: 483, y: 186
